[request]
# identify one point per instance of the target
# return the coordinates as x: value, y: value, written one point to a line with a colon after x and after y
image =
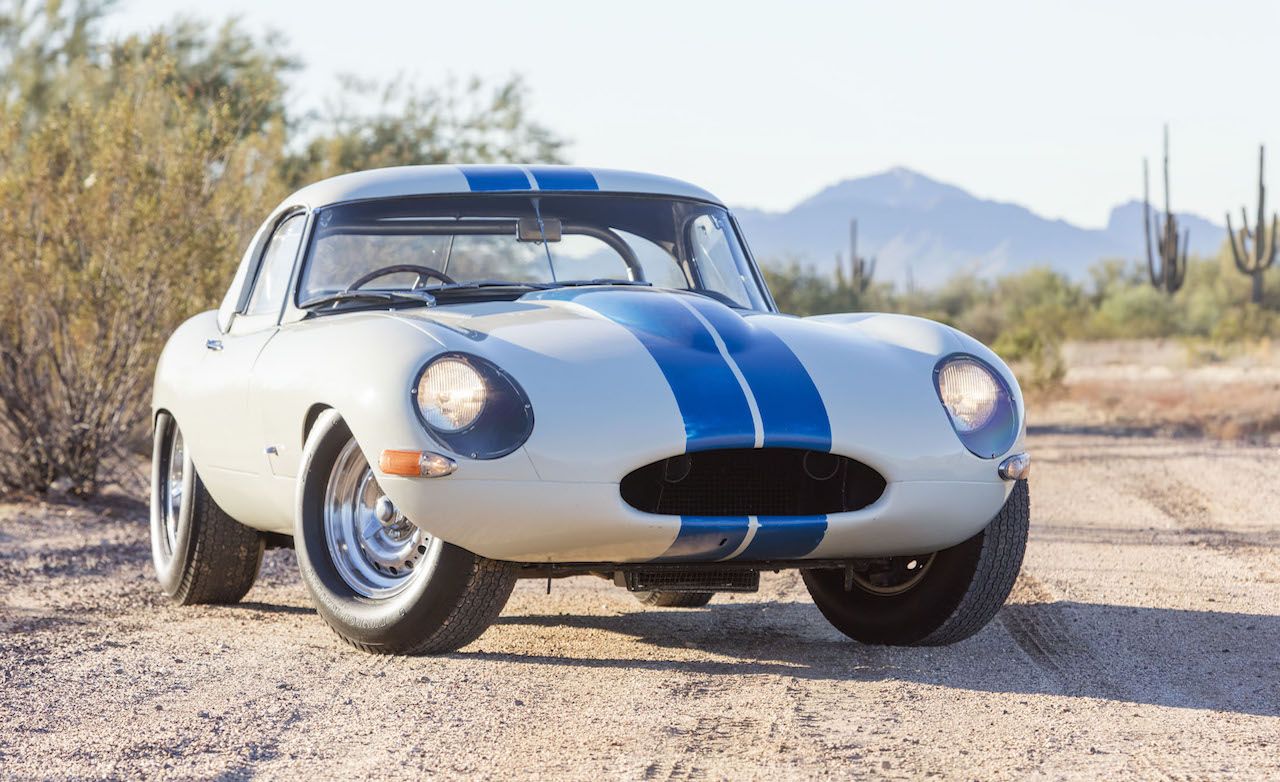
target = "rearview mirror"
x: 530, y: 232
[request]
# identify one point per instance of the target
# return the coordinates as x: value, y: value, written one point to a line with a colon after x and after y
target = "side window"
x: 659, y: 266
x: 717, y: 262
x: 277, y: 264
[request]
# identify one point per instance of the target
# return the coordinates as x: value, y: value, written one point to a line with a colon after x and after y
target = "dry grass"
x: 1167, y: 387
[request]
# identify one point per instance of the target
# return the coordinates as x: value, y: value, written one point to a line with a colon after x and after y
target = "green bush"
x: 119, y: 217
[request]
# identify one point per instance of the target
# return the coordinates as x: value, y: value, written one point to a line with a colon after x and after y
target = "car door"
x: 237, y: 445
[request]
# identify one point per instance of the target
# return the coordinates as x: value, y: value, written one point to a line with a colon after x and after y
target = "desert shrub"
x: 1037, y: 354
x: 121, y: 213
x: 800, y: 290
x: 1118, y: 303
x: 1134, y: 311
x: 1246, y: 322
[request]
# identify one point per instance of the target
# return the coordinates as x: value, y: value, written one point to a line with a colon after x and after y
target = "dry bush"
x: 121, y: 214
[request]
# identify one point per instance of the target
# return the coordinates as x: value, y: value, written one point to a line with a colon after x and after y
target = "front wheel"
x: 928, y: 600
x: 381, y: 583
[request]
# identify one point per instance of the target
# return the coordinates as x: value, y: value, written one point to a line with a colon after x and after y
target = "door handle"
x: 213, y: 344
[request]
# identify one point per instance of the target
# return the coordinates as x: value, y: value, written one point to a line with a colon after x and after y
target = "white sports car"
x: 435, y: 380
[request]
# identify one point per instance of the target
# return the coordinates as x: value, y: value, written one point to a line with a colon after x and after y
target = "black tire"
x: 675, y: 599
x: 446, y: 607
x: 201, y: 554
x: 960, y: 592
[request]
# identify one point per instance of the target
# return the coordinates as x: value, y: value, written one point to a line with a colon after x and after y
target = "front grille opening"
x: 753, y: 482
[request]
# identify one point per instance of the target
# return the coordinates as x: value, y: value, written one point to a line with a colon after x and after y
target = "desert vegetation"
x: 132, y: 174
x: 1027, y: 317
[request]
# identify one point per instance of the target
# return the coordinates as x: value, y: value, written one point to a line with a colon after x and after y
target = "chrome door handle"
x: 213, y: 344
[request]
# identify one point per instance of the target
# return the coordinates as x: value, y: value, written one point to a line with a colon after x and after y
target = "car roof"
x: 446, y: 180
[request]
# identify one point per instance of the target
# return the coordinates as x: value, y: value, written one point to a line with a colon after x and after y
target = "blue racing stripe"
x: 785, y: 537
x: 706, y: 538
x: 556, y: 178
x: 711, y: 401
x: 792, y: 412
x: 492, y: 178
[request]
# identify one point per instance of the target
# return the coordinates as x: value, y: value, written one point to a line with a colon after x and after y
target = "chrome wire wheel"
x: 171, y: 487
x: 375, y: 549
x: 892, y: 576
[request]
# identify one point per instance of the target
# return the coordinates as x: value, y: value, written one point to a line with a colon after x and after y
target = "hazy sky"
x: 1049, y: 104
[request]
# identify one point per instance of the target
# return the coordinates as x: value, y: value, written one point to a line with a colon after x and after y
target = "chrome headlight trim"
x: 998, y: 434
x: 502, y: 425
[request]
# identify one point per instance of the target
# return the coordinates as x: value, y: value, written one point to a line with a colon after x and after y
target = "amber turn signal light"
x: 415, y: 464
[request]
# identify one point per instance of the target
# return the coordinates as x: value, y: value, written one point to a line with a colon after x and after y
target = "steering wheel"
x: 400, y: 268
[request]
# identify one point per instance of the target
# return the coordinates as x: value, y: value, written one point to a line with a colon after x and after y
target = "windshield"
x: 437, y: 243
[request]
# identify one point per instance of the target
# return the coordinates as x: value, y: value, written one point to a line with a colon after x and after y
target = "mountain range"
x: 925, y: 231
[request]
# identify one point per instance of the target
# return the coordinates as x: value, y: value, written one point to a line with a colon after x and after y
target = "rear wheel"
x: 675, y: 599
x: 932, y: 599
x: 201, y: 554
x: 380, y: 582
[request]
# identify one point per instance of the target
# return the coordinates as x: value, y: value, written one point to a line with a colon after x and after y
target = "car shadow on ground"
x: 272, y: 608
x: 1185, y: 659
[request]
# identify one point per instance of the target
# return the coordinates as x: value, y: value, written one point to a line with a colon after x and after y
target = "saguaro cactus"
x: 1169, y: 275
x: 862, y: 269
x: 1255, y: 258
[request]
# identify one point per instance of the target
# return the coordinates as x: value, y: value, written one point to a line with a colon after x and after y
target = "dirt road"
x: 1143, y: 641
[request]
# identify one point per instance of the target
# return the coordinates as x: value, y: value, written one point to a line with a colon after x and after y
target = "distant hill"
x: 936, y: 230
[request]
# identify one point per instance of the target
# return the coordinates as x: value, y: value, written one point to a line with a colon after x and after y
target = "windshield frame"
x: 754, y: 276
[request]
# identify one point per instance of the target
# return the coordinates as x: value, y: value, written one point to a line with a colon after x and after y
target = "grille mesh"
x: 693, y: 579
x: 752, y: 482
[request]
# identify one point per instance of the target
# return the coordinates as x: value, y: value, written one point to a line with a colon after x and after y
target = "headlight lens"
x: 979, y: 403
x: 969, y: 392
x: 470, y: 406
x: 451, y: 395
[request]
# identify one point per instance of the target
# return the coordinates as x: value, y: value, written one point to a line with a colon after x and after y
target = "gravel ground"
x: 1143, y: 641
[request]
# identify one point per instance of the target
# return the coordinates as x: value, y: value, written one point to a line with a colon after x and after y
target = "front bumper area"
x: 562, y: 522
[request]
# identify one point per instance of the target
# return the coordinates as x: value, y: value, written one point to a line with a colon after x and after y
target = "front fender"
x: 920, y: 344
x: 364, y: 367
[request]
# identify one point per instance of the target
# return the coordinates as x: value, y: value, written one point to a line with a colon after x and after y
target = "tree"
x: 41, y: 45
x: 56, y: 54
x: 406, y: 124
x: 230, y: 68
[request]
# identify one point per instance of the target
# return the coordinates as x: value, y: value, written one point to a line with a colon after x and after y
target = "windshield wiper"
x: 537, y: 286
x: 596, y: 281
x: 416, y: 296
x: 445, y: 287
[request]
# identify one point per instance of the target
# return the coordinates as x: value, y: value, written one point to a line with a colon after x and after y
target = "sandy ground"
x: 1166, y: 388
x: 1143, y: 641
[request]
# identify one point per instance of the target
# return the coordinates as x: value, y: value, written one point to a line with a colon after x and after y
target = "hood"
x: 622, y: 377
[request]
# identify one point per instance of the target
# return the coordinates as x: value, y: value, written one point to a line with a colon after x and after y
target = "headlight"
x: 969, y: 392
x: 472, y: 407
x: 979, y: 404
x: 451, y: 395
